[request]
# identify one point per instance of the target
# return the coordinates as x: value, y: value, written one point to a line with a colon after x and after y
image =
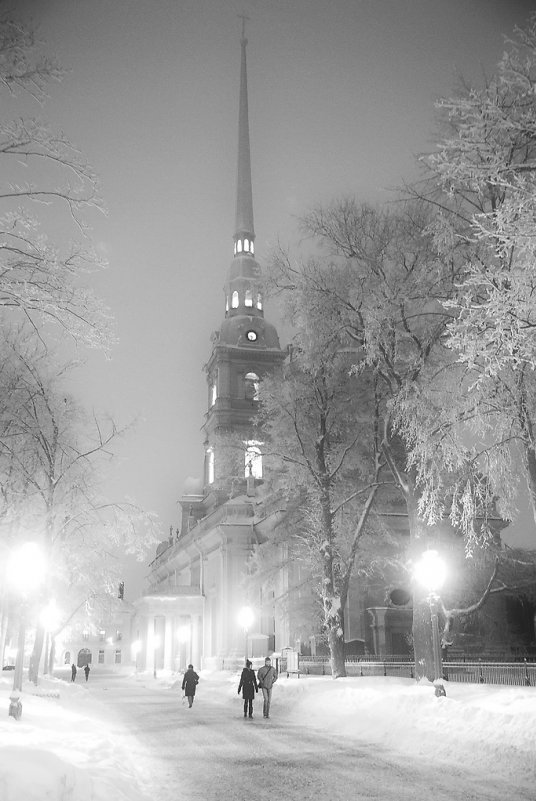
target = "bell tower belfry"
x: 246, y: 346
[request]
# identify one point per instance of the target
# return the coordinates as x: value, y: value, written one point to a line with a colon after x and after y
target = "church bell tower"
x: 246, y: 346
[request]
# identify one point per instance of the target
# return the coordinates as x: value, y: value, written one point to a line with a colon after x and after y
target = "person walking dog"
x: 267, y: 678
x: 248, y: 685
x: 189, y: 683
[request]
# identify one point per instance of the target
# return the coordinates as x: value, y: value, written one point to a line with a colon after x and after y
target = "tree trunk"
x: 51, y: 655
x: 3, y: 633
x: 35, y: 658
x: 336, y: 646
x: 530, y: 457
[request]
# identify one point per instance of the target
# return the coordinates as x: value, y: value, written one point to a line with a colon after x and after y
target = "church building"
x: 192, y: 605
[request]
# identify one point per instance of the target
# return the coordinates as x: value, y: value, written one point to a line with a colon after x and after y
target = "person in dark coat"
x: 189, y: 683
x: 248, y: 685
x: 86, y: 671
x: 73, y: 672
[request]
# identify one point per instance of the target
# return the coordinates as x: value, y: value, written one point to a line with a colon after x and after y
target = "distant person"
x: 189, y: 683
x: 86, y: 671
x: 267, y: 678
x: 73, y: 672
x: 248, y: 685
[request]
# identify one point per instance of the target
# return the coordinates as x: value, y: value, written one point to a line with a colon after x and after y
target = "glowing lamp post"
x: 26, y: 569
x: 245, y: 620
x: 430, y: 572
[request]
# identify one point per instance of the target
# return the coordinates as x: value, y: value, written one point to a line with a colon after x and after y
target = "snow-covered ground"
x: 66, y: 746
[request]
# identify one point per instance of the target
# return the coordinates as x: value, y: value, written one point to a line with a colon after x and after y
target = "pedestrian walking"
x: 248, y: 685
x: 86, y: 671
x: 189, y: 683
x: 267, y: 678
x: 73, y: 672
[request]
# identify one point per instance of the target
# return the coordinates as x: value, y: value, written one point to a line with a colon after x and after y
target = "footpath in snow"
x: 65, y: 745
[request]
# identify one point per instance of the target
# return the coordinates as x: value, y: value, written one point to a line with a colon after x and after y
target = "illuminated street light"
x: 245, y: 620
x: 430, y: 571
x: 26, y: 569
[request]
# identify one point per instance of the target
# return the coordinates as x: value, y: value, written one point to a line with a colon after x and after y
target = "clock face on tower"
x: 251, y: 336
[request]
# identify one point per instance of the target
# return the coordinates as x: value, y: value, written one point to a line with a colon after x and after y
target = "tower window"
x: 210, y: 465
x: 213, y: 393
x: 252, y: 386
x: 239, y: 246
x: 251, y: 248
x: 249, y: 298
x: 227, y: 303
x: 259, y: 301
x: 246, y: 244
x: 253, y: 460
x: 234, y: 300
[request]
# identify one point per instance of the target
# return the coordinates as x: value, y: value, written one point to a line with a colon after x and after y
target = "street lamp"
x: 430, y: 572
x: 26, y: 569
x: 245, y: 620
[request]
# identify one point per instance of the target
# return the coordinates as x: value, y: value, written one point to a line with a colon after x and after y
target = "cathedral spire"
x: 244, y: 234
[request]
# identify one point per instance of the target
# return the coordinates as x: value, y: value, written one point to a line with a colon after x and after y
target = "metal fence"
x: 476, y: 671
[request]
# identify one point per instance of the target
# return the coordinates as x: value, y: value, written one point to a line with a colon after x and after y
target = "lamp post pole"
x: 436, y: 646
x: 26, y: 570
x: 430, y: 571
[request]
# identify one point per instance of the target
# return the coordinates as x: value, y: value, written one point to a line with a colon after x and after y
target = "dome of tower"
x: 245, y: 331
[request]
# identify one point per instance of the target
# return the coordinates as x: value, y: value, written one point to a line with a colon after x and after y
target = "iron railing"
x: 476, y: 671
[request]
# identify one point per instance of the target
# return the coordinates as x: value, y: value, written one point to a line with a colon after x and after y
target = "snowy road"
x: 211, y: 752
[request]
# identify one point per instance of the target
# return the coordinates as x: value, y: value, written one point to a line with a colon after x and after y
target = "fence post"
x: 481, y: 679
x: 527, y: 678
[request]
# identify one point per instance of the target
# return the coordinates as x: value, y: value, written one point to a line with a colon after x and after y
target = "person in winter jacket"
x: 267, y: 678
x: 73, y: 672
x: 189, y: 683
x: 248, y: 685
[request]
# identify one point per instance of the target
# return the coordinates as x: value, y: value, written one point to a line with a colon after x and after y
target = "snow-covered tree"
x: 46, y: 183
x: 481, y: 181
x: 53, y: 459
x: 319, y: 421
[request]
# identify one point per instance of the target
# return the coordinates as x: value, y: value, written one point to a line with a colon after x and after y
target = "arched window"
x: 213, y: 392
x: 259, y: 300
x: 249, y: 298
x: 210, y: 465
x: 251, y: 248
x: 234, y: 301
x: 252, y: 386
x: 246, y: 244
x: 239, y: 246
x: 253, y: 460
x: 227, y: 303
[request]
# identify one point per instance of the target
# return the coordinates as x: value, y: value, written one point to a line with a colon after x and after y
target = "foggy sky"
x: 341, y: 97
